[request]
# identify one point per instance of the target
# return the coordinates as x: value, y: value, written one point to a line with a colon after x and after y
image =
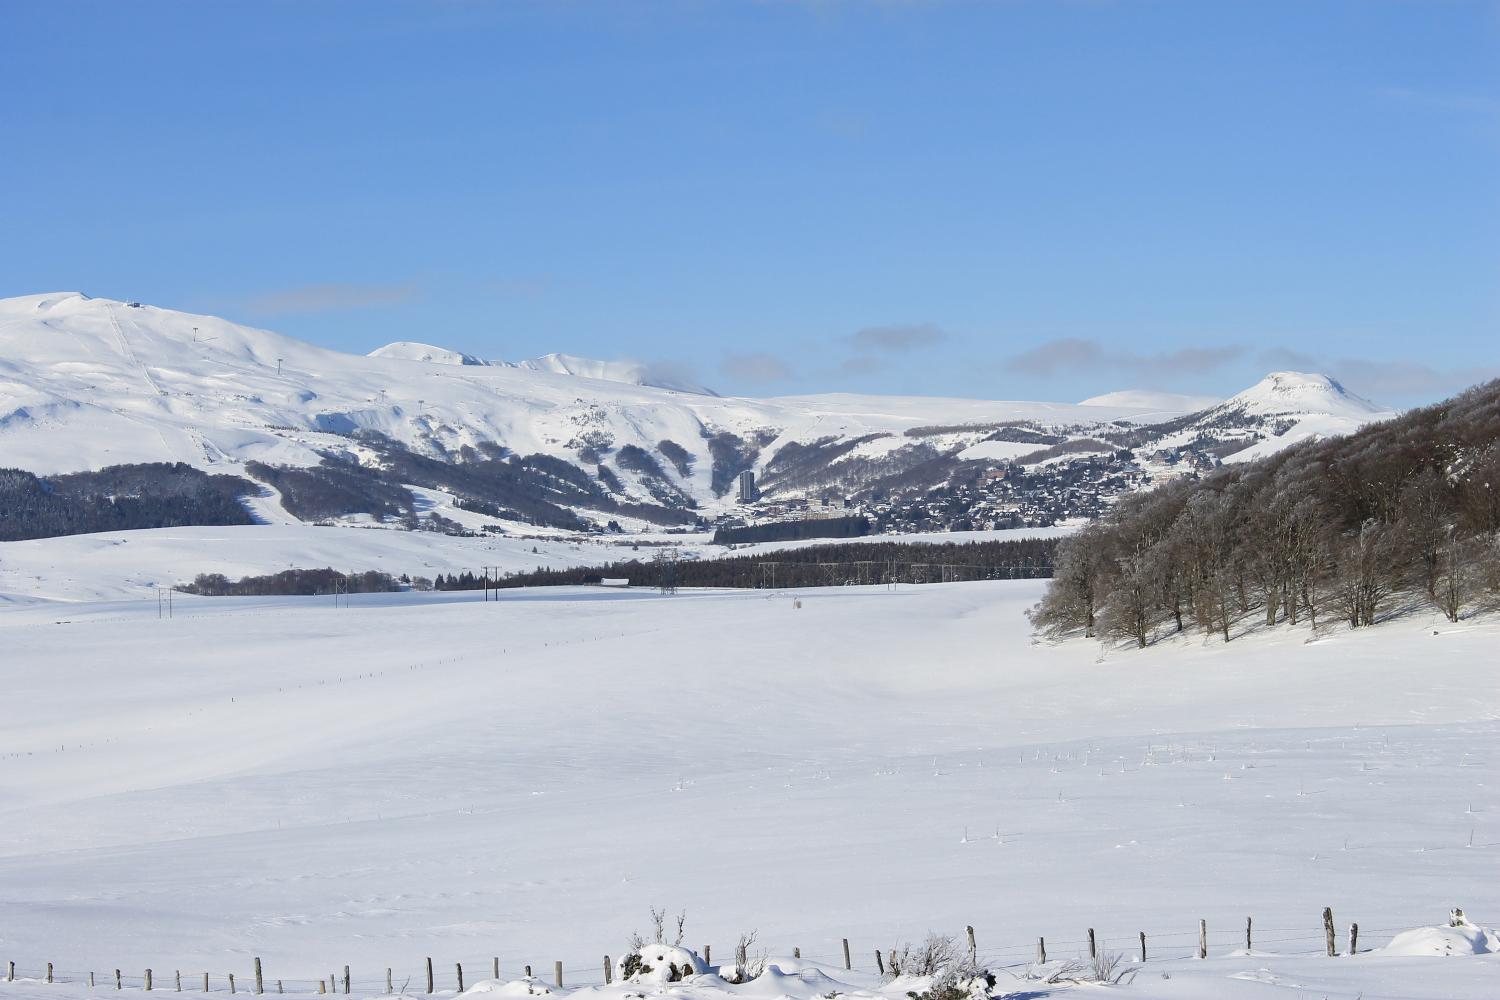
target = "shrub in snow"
x: 949, y: 973
x: 660, y: 963
x: 932, y: 957
x: 746, y: 966
x: 1102, y: 969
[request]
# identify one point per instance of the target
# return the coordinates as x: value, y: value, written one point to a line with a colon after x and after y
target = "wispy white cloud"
x: 1469, y: 104
x: 897, y: 337
x: 757, y: 366
x: 1070, y: 355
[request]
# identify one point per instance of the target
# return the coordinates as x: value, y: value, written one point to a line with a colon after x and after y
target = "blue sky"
x: 1007, y: 200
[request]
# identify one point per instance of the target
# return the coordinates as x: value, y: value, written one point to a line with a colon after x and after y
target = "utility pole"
x: 278, y: 366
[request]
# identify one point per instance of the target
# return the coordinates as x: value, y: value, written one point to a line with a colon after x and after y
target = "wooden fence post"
x: 1143, y: 947
x: 528, y: 972
x: 205, y: 981
x: 388, y: 988
x: 117, y: 979
x: 609, y: 972
x: 10, y: 972
x: 973, y: 951
x: 1203, y: 939
x: 429, y: 973
x: 1328, y: 937
x: 177, y: 980
x: 260, y: 986
x: 278, y: 986
x: 796, y: 952
x: 1041, y: 950
x: 91, y: 980
x: 1093, y: 950
x: 496, y: 968
x: 49, y: 974
x: 148, y: 977
x: 346, y: 981
x: 708, y: 954
x: 879, y: 962
x: 850, y: 965
x: 1353, y: 939
x: 458, y: 968
x: 322, y: 987
x: 231, y: 983
x: 1248, y: 922
x: 557, y: 972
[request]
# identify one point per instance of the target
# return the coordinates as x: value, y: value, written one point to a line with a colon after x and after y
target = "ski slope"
x: 429, y: 775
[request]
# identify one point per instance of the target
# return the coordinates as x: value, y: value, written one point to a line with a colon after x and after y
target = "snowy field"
x: 429, y: 775
x: 120, y: 565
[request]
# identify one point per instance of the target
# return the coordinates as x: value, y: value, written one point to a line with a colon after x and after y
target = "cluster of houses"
x: 1001, y: 495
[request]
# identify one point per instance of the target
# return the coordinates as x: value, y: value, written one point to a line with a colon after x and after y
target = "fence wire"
x: 1167, y: 946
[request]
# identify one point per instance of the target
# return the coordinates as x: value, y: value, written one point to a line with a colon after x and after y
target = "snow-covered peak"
x: 410, y: 350
x: 1296, y: 393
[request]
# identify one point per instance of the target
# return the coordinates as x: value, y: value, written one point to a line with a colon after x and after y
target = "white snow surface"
x: 125, y: 565
x: 407, y: 350
x: 432, y: 775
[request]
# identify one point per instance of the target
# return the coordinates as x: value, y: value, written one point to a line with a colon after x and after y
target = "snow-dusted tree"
x: 1080, y: 575
x: 1204, y: 542
x: 1131, y: 609
x: 1425, y: 519
x: 1365, y: 564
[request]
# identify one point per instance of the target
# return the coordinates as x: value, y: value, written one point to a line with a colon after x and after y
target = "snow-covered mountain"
x: 86, y: 383
x: 1278, y: 411
x: 410, y: 350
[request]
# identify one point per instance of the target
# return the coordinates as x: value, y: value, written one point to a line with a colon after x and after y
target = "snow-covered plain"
x: 124, y: 565
x: 429, y: 775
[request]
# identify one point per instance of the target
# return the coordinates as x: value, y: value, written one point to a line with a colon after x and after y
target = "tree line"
x: 812, y: 566
x: 117, y: 498
x: 294, y: 582
x: 1399, y: 514
x: 787, y: 531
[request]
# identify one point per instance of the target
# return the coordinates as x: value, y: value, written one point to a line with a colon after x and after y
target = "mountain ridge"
x: 86, y: 383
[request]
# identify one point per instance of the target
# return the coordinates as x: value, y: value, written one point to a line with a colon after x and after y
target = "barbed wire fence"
x: 866, y: 964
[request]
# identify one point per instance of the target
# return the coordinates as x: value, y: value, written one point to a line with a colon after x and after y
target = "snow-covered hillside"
x: 1280, y: 410
x: 87, y: 382
x: 429, y: 775
x: 91, y: 382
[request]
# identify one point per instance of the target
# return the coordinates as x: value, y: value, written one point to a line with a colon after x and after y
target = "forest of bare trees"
x: 1401, y: 515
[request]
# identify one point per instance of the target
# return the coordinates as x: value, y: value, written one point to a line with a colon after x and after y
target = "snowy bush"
x: 657, y: 961
x: 746, y: 966
x: 1101, y: 970
x: 951, y: 973
x: 932, y: 957
x: 660, y: 963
